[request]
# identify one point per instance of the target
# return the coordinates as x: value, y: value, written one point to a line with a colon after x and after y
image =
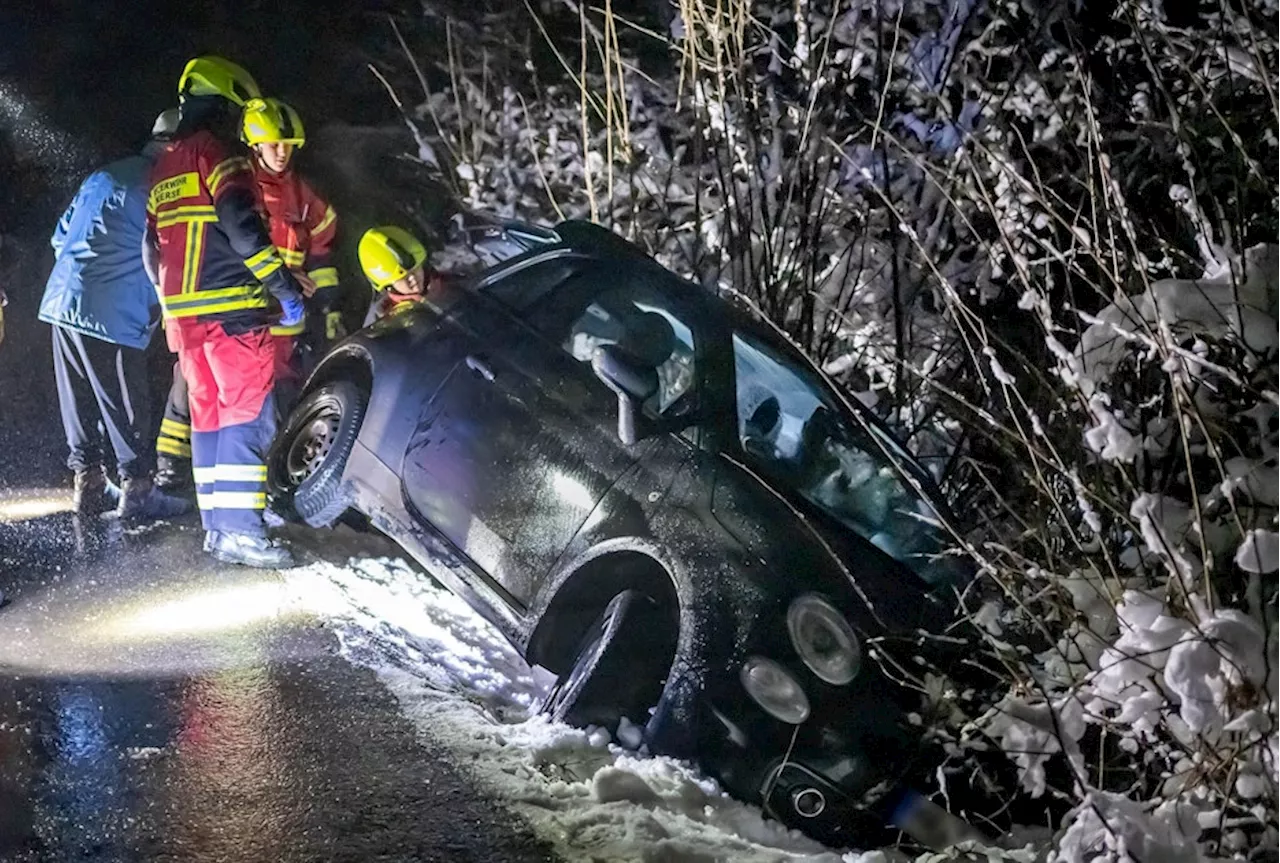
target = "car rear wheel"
x: 617, y: 670
x: 306, y: 461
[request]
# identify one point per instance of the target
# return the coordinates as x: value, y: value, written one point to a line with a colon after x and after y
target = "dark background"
x: 80, y: 85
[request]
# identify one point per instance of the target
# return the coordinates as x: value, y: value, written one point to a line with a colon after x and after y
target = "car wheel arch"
x: 351, y: 363
x: 580, y: 596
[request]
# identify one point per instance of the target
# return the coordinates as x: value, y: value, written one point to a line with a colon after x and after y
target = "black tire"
x: 304, y: 467
x: 617, y: 670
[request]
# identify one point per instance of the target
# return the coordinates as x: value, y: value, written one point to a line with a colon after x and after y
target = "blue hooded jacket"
x: 98, y: 286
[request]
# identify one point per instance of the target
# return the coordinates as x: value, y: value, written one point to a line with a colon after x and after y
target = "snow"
x: 466, y: 689
x: 1111, y: 828
x: 1227, y: 303
x: 1258, y: 551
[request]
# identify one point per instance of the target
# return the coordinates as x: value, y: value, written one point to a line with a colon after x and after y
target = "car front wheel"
x: 616, y: 671
x: 306, y: 461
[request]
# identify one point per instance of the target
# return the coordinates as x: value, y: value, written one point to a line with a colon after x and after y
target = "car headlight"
x: 775, y: 690
x: 824, y: 639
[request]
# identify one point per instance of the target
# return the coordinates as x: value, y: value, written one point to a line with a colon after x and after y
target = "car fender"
x: 717, y: 583
x: 386, y: 358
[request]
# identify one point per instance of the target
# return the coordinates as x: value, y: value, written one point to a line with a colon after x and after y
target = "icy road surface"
x: 466, y: 690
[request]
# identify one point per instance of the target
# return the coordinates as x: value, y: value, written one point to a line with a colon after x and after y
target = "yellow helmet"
x: 215, y: 76
x: 270, y: 120
x: 388, y: 253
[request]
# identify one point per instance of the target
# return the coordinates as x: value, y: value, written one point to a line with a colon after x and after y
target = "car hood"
x: 804, y: 549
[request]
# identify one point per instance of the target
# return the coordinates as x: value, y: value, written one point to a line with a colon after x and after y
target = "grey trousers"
x: 103, y: 398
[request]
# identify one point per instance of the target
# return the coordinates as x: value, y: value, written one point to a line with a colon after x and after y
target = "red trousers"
x: 229, y: 384
x: 286, y: 369
x: 228, y: 377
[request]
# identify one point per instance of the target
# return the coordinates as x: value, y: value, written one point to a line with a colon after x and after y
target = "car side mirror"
x: 633, y: 381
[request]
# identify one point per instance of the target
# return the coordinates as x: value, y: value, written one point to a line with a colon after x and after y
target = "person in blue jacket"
x: 103, y: 308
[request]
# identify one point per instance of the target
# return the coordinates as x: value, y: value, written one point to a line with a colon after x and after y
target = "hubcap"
x: 312, y: 445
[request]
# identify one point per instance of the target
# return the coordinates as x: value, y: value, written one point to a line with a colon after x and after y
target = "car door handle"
x: 480, y: 365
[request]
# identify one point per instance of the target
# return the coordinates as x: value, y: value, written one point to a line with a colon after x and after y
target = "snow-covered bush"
x: 1041, y: 236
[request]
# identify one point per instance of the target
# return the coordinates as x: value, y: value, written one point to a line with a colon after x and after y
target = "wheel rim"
x: 312, y: 445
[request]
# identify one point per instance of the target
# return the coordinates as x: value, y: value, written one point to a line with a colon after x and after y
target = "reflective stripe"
x: 202, y: 475
x: 240, y: 473
x: 291, y: 330
x: 173, y: 428
x: 329, y: 217
x: 293, y: 257
x: 239, y: 499
x: 215, y: 301
x: 324, y: 277
x: 170, y: 446
x: 194, y: 254
x: 204, y: 500
x: 223, y: 170
x: 332, y: 322
x: 179, y: 215
x: 264, y: 263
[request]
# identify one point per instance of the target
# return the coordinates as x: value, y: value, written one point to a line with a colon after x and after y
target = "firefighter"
x: 395, y: 264
x: 173, y: 444
x: 102, y: 308
x: 218, y: 273
x: 302, y: 225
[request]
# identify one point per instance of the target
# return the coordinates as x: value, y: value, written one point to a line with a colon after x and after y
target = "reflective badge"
x: 175, y: 189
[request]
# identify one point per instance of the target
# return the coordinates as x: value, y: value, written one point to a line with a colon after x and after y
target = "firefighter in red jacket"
x: 218, y: 273
x: 302, y: 226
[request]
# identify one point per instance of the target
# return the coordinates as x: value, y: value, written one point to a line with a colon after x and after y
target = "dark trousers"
x: 174, y: 441
x: 102, y: 392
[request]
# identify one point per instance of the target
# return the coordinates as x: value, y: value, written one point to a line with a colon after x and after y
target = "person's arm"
x: 151, y: 254
x: 229, y: 179
x: 322, y: 224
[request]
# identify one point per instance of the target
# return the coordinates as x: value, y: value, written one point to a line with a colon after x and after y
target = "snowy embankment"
x: 464, y: 687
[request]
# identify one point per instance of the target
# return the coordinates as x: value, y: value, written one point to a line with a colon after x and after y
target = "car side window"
x: 602, y: 306
x: 527, y: 287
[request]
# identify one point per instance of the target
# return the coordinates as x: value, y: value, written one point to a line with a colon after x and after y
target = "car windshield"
x: 794, y: 431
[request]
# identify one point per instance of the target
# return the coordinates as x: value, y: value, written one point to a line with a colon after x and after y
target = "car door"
x: 519, y: 444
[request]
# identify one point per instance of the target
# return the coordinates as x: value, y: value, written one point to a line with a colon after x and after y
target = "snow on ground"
x: 464, y: 687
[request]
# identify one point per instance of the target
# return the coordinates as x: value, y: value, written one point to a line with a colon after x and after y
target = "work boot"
x: 173, y: 474
x: 92, y: 494
x: 140, y: 500
x: 248, y: 550
x: 210, y: 537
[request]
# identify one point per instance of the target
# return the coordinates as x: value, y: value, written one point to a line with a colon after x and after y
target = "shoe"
x: 248, y: 550
x: 210, y: 537
x: 92, y: 494
x: 140, y: 500
x: 173, y: 474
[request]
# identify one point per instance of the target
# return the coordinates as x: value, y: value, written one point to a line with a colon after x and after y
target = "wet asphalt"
x: 156, y: 705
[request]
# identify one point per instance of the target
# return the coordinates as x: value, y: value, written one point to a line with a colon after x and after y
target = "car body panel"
x: 514, y: 451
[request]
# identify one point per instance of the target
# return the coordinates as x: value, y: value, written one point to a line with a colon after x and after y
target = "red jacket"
x: 302, y: 226
x: 217, y: 262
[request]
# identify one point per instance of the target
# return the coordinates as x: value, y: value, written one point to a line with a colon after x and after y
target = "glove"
x: 291, y: 310
x: 333, y: 327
